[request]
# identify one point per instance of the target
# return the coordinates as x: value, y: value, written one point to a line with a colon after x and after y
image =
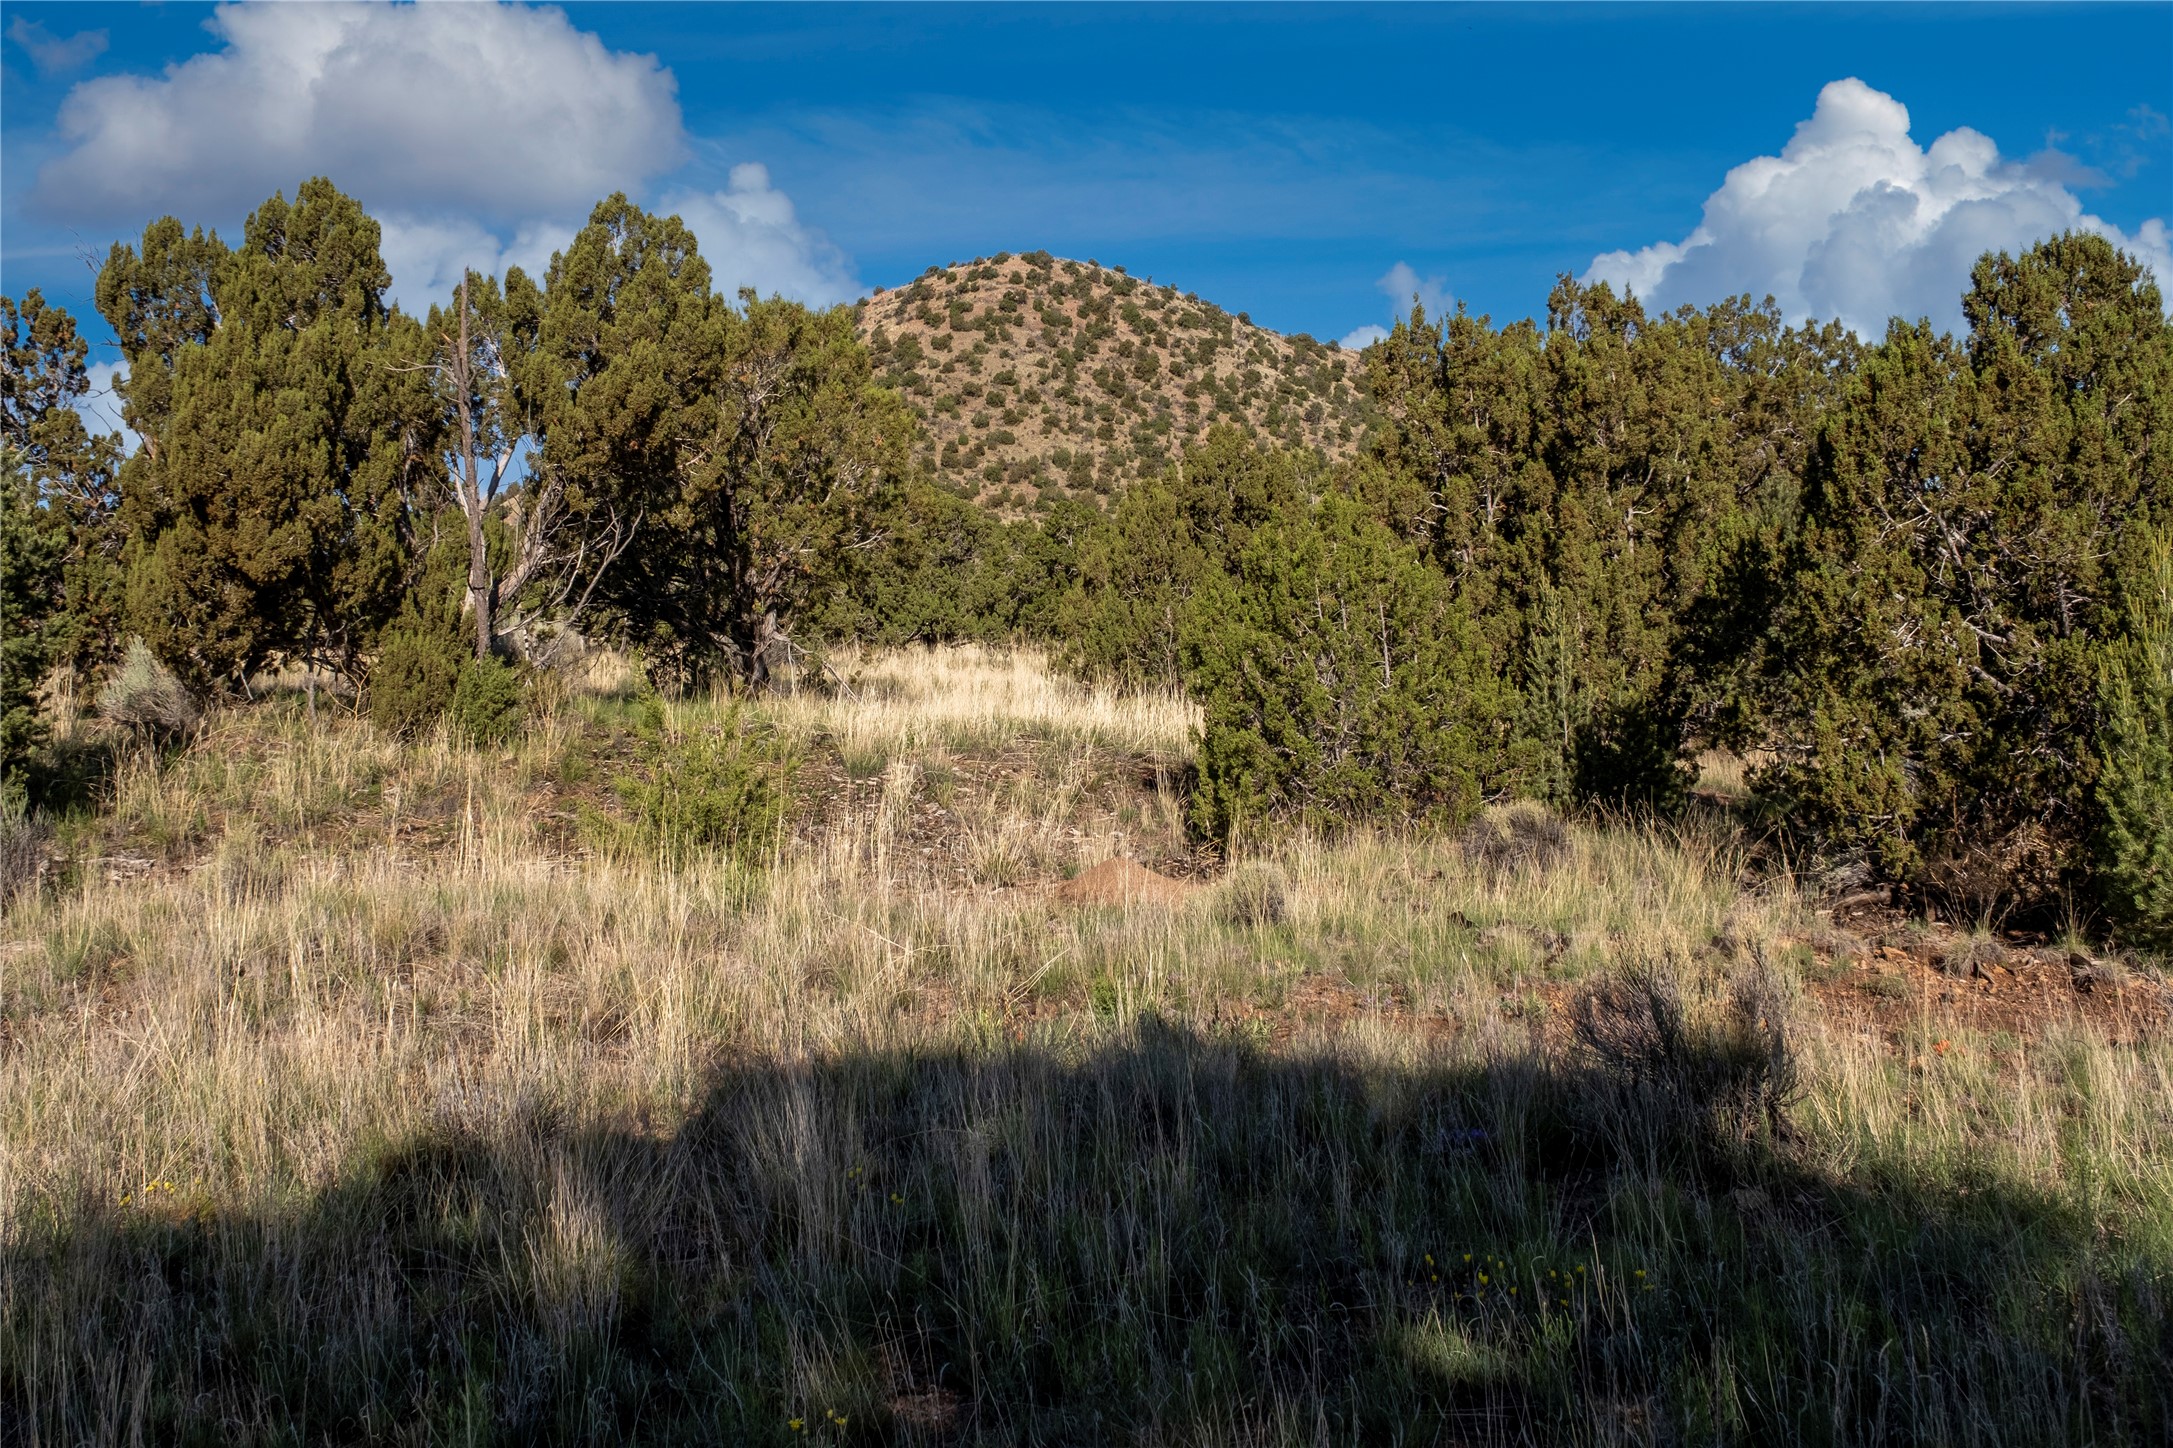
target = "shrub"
x: 1254, y: 896
x: 412, y: 685
x: 1521, y: 835
x: 702, y: 793
x: 24, y: 841
x: 2135, y: 785
x: 1714, y: 1075
x: 145, y: 696
x: 1339, y: 679
x: 487, y: 704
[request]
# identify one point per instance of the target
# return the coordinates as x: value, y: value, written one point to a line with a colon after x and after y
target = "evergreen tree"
x: 939, y: 569
x: 1592, y: 491
x: 806, y: 451
x: 286, y: 430
x: 1137, y: 571
x: 1970, y: 513
x: 1873, y: 666
x: 1340, y: 678
x: 2135, y: 785
x: 67, y: 474
x: 32, y: 543
x: 160, y: 301
x: 624, y: 384
x: 927, y: 575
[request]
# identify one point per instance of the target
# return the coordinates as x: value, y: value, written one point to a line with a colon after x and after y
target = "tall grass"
x: 381, y: 1110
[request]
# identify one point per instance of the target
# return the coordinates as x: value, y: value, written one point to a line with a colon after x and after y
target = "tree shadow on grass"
x: 1169, y: 1239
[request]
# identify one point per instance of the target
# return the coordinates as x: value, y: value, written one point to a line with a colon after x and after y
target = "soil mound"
x: 1123, y: 882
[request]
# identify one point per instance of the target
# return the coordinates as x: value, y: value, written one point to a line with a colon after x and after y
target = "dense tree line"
x: 1921, y: 584
x: 320, y: 475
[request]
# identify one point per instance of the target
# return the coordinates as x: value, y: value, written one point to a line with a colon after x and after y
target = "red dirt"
x: 2024, y: 993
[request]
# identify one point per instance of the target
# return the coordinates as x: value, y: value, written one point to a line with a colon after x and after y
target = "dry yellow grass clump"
x: 346, y: 1093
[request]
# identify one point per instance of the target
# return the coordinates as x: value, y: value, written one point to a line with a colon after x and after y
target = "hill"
x: 1034, y: 375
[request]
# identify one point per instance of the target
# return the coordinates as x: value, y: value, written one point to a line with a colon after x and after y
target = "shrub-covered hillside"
x: 1034, y: 375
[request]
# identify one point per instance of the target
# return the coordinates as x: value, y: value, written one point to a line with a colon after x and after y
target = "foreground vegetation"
x: 1644, y: 840
x: 1925, y: 583
x: 361, y: 1090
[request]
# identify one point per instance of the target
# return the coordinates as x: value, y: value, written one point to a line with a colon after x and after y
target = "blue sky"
x: 1301, y: 163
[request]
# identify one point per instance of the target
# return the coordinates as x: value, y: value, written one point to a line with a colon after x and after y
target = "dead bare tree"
x: 553, y: 556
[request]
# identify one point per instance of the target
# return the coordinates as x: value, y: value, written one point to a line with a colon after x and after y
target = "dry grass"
x: 971, y: 697
x: 343, y: 1096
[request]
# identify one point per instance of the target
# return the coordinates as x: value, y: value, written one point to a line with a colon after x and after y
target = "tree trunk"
x: 482, y: 588
x: 758, y: 654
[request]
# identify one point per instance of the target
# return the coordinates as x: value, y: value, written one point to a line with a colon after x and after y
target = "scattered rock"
x: 1123, y: 882
x: 125, y: 867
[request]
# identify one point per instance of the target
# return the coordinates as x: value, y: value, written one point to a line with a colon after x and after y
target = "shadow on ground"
x: 1169, y: 1239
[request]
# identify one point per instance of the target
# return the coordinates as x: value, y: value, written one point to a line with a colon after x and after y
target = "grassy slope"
x: 1038, y: 376
x: 345, y: 1097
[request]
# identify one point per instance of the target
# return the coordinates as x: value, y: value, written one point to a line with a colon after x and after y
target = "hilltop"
x: 1033, y: 375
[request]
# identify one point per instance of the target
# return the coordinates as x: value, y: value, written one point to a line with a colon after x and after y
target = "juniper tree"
x: 1591, y: 490
x: 66, y: 473
x: 1340, y: 679
x: 268, y: 507
x: 625, y: 373
x: 32, y: 544
x: 806, y: 448
x: 160, y: 300
x: 1137, y: 570
x: 1970, y: 512
x: 2135, y: 752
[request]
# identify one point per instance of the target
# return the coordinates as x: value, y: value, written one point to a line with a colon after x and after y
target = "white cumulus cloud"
x: 1402, y: 285
x: 497, y: 110
x: 427, y: 256
x: 100, y: 407
x: 752, y: 236
x: 478, y: 135
x: 1855, y: 220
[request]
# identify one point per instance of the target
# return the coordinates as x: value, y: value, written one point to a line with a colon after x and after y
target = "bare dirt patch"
x: 1891, y: 991
x: 1123, y: 882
